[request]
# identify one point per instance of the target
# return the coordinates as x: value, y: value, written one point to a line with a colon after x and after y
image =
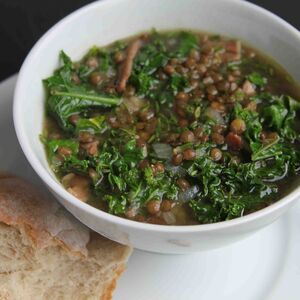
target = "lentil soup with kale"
x: 174, y: 128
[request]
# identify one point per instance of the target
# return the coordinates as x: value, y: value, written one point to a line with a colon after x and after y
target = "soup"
x: 174, y: 128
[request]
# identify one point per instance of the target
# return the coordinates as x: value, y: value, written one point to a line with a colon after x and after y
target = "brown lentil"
x: 183, y: 183
x: 153, y: 207
x: 238, y: 126
x: 223, y: 86
x: 113, y: 121
x: 201, y: 69
x: 217, y: 138
x: 159, y: 168
x: 217, y: 77
x: 190, y: 63
x: 212, y: 90
x: 91, y: 148
x: 144, y: 135
x: 194, y: 54
x: 174, y: 61
x: 216, y: 154
x: 177, y: 159
x: 194, y: 83
x: 95, y: 78
x: 204, y: 138
x: 85, y: 137
x: 187, y: 137
x: 166, y: 205
x: 189, y: 154
x: 146, y: 115
x: 218, y: 106
x: 208, y: 80
x: 234, y: 141
x: 233, y: 86
x: 169, y: 69
x: 180, y: 112
x: 198, y: 132
x: 140, y: 143
x: 64, y: 151
x: 74, y: 119
x: 182, y: 97
x: 92, y: 62
x: 231, y: 78
x: 219, y: 128
x: 131, y: 213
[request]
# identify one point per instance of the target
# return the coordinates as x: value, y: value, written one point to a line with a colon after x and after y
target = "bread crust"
x: 45, y: 224
x: 111, y: 286
x: 43, y: 219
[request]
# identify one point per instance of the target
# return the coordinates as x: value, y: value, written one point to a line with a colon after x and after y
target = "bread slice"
x: 45, y: 253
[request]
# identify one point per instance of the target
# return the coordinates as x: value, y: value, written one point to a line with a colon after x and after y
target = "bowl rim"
x: 49, y: 179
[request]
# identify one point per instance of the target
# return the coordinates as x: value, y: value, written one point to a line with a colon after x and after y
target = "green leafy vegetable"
x: 257, y: 79
x: 187, y: 42
x: 150, y: 58
x: 53, y: 145
x: 76, y: 165
x: 116, y: 204
x: 178, y: 83
x: 279, y: 114
x: 65, y: 98
x: 92, y: 125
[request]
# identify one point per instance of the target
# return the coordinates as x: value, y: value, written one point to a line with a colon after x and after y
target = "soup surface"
x: 174, y: 128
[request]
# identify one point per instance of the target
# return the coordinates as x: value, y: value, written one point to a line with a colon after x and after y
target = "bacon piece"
x: 233, y: 50
x: 248, y: 88
x: 126, y: 67
x: 234, y: 141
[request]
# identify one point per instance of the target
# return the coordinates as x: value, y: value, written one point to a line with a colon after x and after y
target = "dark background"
x: 22, y: 22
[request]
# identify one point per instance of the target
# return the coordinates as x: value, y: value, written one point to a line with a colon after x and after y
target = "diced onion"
x: 189, y: 194
x: 163, y: 151
x: 134, y: 104
x: 176, y: 170
x: 214, y: 115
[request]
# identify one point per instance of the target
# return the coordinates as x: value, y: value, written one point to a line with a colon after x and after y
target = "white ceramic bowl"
x: 103, y: 22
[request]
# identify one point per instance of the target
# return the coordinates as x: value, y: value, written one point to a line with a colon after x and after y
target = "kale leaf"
x: 65, y: 98
x: 187, y: 42
x: 93, y: 125
x: 257, y: 79
x: 279, y: 114
x: 149, y: 59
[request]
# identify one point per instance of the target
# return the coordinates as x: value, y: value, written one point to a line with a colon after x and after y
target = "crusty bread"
x: 45, y: 253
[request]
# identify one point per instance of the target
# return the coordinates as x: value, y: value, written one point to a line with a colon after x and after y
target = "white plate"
x: 265, y: 266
